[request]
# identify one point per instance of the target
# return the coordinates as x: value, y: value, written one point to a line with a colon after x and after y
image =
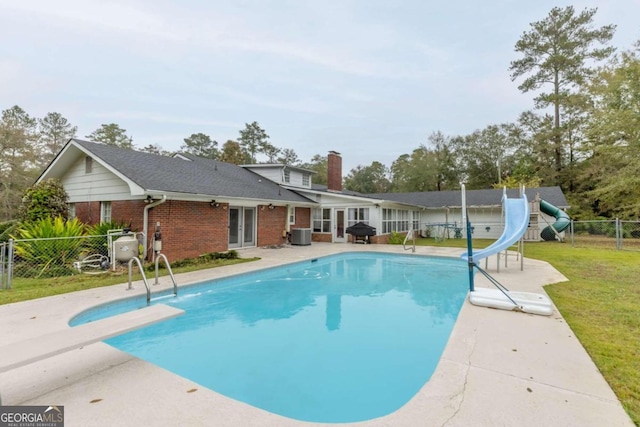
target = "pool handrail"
x: 173, y: 279
x: 411, y: 233
x: 144, y: 278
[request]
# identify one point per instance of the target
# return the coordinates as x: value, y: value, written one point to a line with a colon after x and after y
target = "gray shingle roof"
x: 194, y: 176
x: 438, y: 199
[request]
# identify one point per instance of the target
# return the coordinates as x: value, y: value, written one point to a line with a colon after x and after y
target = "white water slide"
x: 516, y: 221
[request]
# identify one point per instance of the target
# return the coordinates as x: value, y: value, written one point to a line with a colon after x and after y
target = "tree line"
x: 29, y: 144
x: 582, y: 134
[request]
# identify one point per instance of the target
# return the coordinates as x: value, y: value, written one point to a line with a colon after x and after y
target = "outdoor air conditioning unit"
x: 301, y: 236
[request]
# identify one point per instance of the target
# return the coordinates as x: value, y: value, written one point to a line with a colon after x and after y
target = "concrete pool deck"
x: 499, y: 368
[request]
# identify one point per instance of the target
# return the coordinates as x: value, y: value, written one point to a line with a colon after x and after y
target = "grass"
x: 601, y: 304
x: 24, y: 289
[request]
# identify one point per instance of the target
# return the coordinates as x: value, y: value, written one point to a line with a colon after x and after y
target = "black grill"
x: 361, y: 232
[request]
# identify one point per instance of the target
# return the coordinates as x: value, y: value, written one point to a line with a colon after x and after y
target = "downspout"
x: 145, y: 221
x: 287, y: 224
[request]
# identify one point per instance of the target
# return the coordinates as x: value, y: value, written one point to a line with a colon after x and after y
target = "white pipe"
x: 145, y: 221
x: 464, y: 207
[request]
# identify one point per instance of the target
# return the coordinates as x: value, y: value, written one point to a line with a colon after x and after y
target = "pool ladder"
x: 410, y: 234
x: 144, y: 276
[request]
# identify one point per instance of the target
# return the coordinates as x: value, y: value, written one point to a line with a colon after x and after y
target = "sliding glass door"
x: 242, y: 227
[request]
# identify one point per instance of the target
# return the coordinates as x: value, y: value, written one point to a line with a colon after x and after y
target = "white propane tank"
x: 125, y: 248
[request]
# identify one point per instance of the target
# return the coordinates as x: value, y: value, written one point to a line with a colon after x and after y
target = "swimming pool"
x: 339, y: 339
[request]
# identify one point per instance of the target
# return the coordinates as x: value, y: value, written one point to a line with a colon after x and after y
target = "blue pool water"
x: 338, y: 339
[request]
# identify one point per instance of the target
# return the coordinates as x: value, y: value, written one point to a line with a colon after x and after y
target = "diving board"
x: 41, y: 347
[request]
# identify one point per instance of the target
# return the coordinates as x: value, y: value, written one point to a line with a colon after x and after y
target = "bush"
x: 102, y: 228
x: 396, y: 238
x: 46, y: 199
x: 101, y: 246
x: 49, y: 246
x: 7, y: 229
x: 202, y: 259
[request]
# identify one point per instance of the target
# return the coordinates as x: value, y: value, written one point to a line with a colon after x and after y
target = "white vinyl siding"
x: 288, y: 175
x: 100, y: 184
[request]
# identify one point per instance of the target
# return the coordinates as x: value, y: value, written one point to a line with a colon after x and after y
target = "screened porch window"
x: 358, y: 215
x: 399, y: 220
x: 322, y: 220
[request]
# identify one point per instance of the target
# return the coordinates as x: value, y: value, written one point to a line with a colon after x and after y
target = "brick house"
x: 202, y: 205
x: 205, y: 205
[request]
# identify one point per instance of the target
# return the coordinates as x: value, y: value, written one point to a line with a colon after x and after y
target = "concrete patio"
x: 499, y: 368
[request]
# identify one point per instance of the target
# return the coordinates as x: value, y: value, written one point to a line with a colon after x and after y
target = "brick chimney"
x: 334, y: 171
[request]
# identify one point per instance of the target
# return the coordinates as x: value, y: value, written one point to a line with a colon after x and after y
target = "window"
x: 305, y: 179
x: 322, y: 220
x: 399, y: 220
x: 287, y: 176
x: 416, y: 220
x: 88, y: 164
x: 388, y: 221
x: 358, y: 215
x: 292, y: 215
x: 105, y: 211
x: 72, y: 210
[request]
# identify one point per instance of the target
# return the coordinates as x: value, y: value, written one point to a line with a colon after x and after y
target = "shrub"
x: 100, y: 246
x: 49, y: 246
x: 396, y: 238
x: 202, y: 259
x: 46, y: 199
x: 102, y: 228
x: 7, y: 229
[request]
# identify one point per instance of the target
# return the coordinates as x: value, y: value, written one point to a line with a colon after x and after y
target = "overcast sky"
x: 370, y: 79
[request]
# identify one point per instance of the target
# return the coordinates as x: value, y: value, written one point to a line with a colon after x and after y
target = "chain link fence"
x: 606, y: 234
x: 614, y: 234
x: 60, y: 257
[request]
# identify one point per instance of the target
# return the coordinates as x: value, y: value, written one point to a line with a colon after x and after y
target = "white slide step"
x: 527, y: 302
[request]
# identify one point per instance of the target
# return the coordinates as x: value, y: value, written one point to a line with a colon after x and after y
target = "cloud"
x: 220, y: 30
x: 161, y: 118
x: 97, y: 15
x: 303, y: 104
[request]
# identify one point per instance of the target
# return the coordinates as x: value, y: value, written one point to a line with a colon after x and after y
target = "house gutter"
x: 145, y: 221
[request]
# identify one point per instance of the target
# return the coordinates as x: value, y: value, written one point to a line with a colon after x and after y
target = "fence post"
x: 10, y: 264
x: 618, y: 243
x: 573, y: 242
x: 3, y: 249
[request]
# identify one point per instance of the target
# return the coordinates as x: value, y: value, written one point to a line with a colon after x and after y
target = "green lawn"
x: 600, y: 302
x: 24, y: 289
